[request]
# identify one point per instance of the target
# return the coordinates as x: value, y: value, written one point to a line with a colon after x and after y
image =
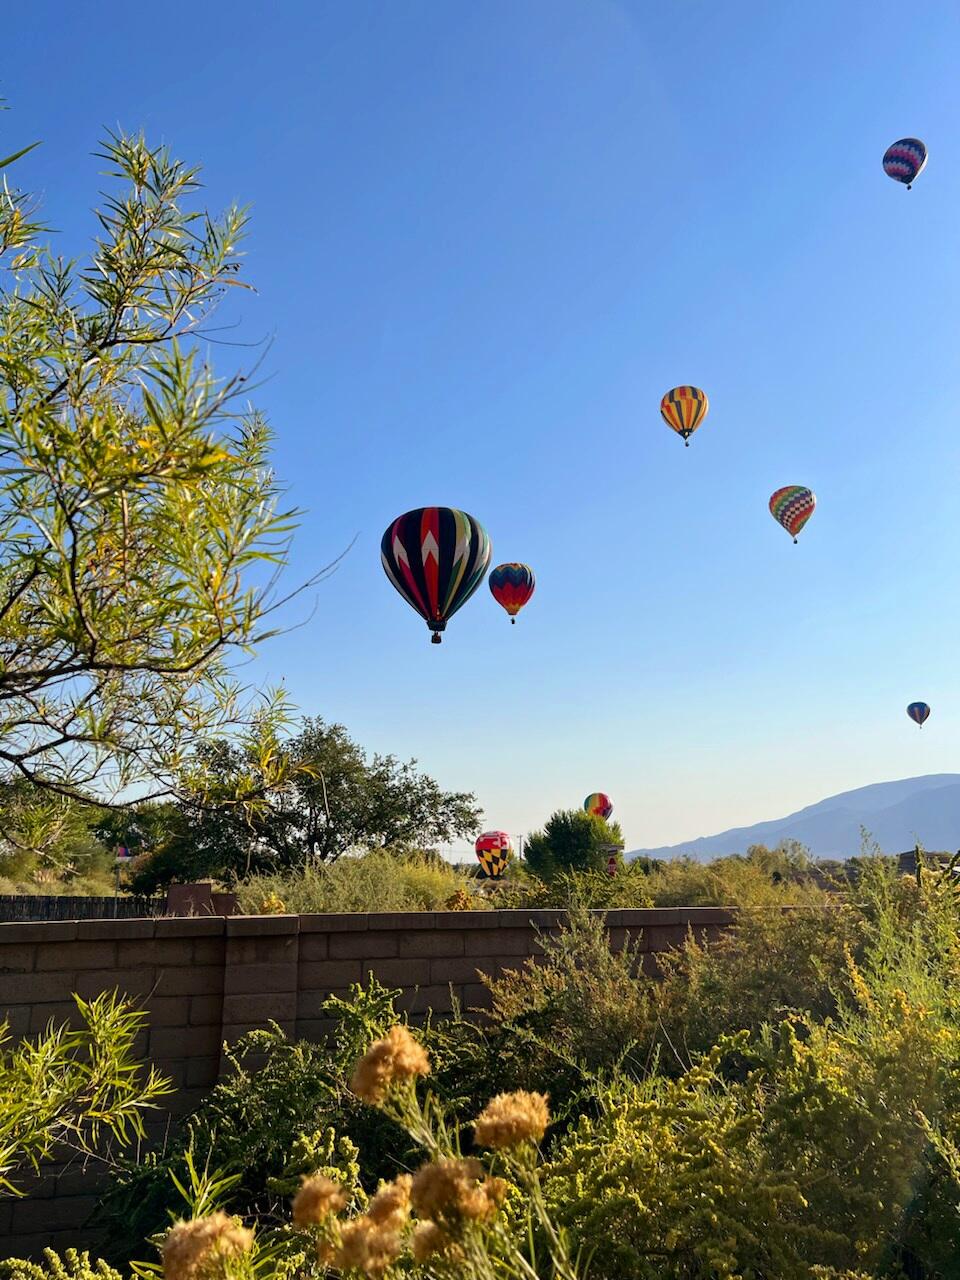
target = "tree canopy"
x: 136, y: 496
x: 335, y: 799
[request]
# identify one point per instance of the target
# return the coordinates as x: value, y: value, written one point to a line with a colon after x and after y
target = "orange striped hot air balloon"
x: 683, y: 409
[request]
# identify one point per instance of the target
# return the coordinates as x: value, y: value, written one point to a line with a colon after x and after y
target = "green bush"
x: 571, y: 840
x: 581, y: 1002
x: 283, y: 1110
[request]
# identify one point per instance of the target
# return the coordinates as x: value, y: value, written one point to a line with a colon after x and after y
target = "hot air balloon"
x: 598, y: 805
x: 436, y: 558
x: 683, y: 409
x: 792, y: 506
x: 512, y: 585
x: 905, y: 160
x: 918, y: 712
x: 494, y: 851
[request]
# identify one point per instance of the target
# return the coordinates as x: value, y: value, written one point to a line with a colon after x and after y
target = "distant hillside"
x: 897, y: 814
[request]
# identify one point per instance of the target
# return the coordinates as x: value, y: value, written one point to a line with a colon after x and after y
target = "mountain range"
x: 896, y: 814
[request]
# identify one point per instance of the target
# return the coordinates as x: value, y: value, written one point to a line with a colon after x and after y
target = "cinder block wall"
x: 207, y: 980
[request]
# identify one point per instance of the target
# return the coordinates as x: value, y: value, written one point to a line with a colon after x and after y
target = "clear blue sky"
x: 486, y: 239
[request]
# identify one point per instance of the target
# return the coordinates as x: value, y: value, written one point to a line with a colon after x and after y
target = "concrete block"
x: 364, y: 946
x: 463, y: 920
x: 28, y: 931
x: 114, y: 930
x: 18, y: 957
x: 398, y: 973
x: 254, y: 926
x: 501, y: 942
x: 243, y: 979
x: 258, y: 1010
x: 128, y: 982
x: 455, y: 969
x: 325, y: 975
x: 206, y: 1010
x: 438, y: 942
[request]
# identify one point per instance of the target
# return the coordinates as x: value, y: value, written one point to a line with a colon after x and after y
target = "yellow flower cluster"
x: 450, y: 1191
x: 431, y: 1241
x: 373, y: 1241
x: 318, y: 1198
x: 195, y: 1248
x: 512, y: 1118
x: 396, y: 1058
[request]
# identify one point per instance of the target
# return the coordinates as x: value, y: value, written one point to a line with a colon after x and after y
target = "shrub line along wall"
x: 207, y: 980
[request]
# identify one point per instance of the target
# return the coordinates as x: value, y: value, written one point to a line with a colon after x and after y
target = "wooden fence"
x: 27, y: 906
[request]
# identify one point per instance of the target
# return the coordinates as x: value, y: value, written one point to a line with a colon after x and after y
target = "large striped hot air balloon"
x: 792, y: 506
x: 512, y: 585
x: 494, y: 851
x: 683, y: 409
x: 598, y: 805
x: 905, y: 160
x: 436, y: 558
x: 918, y: 712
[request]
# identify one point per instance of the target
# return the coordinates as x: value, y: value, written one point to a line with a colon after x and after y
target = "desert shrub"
x: 762, y: 877
x: 379, y: 880
x: 598, y: 890
x: 582, y: 1003
x: 818, y: 1144
x: 771, y: 962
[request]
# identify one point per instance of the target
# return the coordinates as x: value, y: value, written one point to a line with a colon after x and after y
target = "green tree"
x: 572, y: 840
x: 136, y: 497
x: 336, y: 799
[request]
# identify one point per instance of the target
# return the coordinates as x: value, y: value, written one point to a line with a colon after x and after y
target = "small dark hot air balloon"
x: 512, y: 585
x: 792, y: 506
x: 683, y: 409
x: 905, y: 160
x: 494, y: 851
x: 598, y: 805
x: 918, y: 712
x: 436, y: 558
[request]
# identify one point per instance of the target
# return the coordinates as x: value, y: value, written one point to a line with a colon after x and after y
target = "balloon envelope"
x: 598, y: 804
x: 683, y: 409
x: 436, y: 558
x: 494, y: 851
x: 905, y: 160
x: 512, y: 585
x: 792, y: 506
x: 918, y: 712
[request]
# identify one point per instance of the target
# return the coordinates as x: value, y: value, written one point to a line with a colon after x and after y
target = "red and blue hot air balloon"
x: 905, y: 160
x: 512, y: 585
x: 598, y: 805
x: 918, y: 712
x: 436, y: 558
